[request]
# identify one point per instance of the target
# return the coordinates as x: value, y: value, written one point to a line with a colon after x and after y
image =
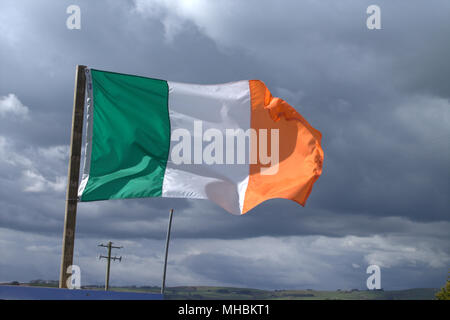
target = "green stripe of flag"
x: 130, y: 137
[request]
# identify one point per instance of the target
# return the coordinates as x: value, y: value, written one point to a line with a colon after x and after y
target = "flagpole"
x: 163, y: 287
x: 73, y: 175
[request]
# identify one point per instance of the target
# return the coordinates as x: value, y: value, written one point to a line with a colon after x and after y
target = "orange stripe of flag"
x: 300, y: 152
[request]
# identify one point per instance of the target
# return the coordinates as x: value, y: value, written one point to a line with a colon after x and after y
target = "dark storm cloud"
x: 380, y: 98
x: 384, y: 126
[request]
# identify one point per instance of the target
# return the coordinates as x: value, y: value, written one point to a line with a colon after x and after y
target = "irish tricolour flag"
x: 234, y: 143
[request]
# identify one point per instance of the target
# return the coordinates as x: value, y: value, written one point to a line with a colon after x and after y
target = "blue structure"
x: 41, y: 293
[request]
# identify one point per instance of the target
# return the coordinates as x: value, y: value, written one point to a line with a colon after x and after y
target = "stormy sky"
x: 379, y: 97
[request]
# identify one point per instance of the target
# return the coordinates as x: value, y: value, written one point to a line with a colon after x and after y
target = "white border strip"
x: 243, y: 186
x: 88, y: 142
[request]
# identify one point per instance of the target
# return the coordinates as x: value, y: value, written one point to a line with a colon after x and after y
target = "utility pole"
x: 108, y: 262
x: 163, y: 286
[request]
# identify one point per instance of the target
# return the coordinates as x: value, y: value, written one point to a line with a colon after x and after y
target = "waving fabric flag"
x: 234, y: 143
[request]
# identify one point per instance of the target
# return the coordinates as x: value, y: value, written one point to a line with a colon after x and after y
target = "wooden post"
x: 109, y: 246
x: 163, y: 286
x: 108, y: 266
x: 73, y: 175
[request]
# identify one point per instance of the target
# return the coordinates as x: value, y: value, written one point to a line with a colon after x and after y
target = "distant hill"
x: 228, y: 293
x: 219, y: 293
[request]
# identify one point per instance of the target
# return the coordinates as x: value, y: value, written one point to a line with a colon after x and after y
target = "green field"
x: 228, y: 293
x: 219, y: 293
